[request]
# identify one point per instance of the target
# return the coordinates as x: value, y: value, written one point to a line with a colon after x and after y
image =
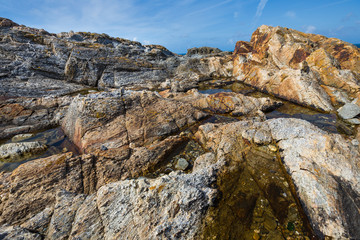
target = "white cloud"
x: 134, y: 39
x: 260, y: 8
x: 209, y: 8
x: 310, y: 29
x: 290, y: 14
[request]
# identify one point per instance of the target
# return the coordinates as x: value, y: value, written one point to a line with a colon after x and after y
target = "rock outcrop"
x: 37, y: 63
x: 31, y: 56
x: 118, y: 119
x: 307, y: 69
x: 234, y: 104
x: 23, y: 115
x: 152, y: 156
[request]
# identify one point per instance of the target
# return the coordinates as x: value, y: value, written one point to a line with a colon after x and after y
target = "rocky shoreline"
x: 106, y: 138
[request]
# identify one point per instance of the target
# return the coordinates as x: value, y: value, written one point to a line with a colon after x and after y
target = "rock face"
x: 177, y: 203
x: 120, y: 118
x: 308, y: 69
x: 22, y: 115
x: 36, y: 63
x: 235, y: 104
x: 196, y: 68
x: 326, y: 171
x: 31, y: 56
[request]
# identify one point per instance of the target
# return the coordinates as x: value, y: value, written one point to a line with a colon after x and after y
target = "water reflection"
x: 54, y: 138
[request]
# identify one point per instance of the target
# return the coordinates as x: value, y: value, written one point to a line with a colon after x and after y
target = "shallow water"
x: 54, y: 138
x: 188, y: 150
x: 329, y: 122
x: 257, y: 201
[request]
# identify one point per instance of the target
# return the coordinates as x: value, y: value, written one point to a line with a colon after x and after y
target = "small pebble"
x: 181, y: 164
x: 272, y: 148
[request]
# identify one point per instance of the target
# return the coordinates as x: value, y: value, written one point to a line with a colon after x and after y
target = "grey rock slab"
x: 349, y: 110
x: 326, y: 173
x: 14, y: 151
x: 39, y: 223
x: 87, y: 222
x: 168, y: 207
x: 354, y: 121
x: 17, y: 233
x: 64, y: 213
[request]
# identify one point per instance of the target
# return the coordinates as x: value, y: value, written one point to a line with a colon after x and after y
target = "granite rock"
x: 307, y: 69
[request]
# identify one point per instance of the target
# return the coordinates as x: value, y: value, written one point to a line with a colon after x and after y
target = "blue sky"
x: 179, y: 25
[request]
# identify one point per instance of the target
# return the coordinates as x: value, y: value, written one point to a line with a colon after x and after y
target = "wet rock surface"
x: 11, y: 152
x: 153, y: 145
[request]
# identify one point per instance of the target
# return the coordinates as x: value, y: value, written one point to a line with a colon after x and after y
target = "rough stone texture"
x: 326, y: 171
x: 116, y: 119
x: 203, y: 51
x: 197, y: 68
x: 65, y: 209
x: 151, y: 119
x: 349, y: 110
x: 31, y: 187
x: 308, y: 69
x: 176, y: 203
x: 256, y: 201
x: 12, y: 152
x: 324, y: 168
x: 22, y: 115
x: 40, y: 221
x: 34, y: 59
x: 235, y: 104
x: 87, y: 223
x: 17, y: 233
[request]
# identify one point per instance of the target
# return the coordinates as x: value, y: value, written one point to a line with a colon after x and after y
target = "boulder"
x: 349, y: 110
x: 175, y: 203
x: 307, y: 69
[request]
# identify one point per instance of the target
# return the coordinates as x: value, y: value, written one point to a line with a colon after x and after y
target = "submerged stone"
x: 21, y: 137
x: 181, y: 164
x: 11, y: 152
